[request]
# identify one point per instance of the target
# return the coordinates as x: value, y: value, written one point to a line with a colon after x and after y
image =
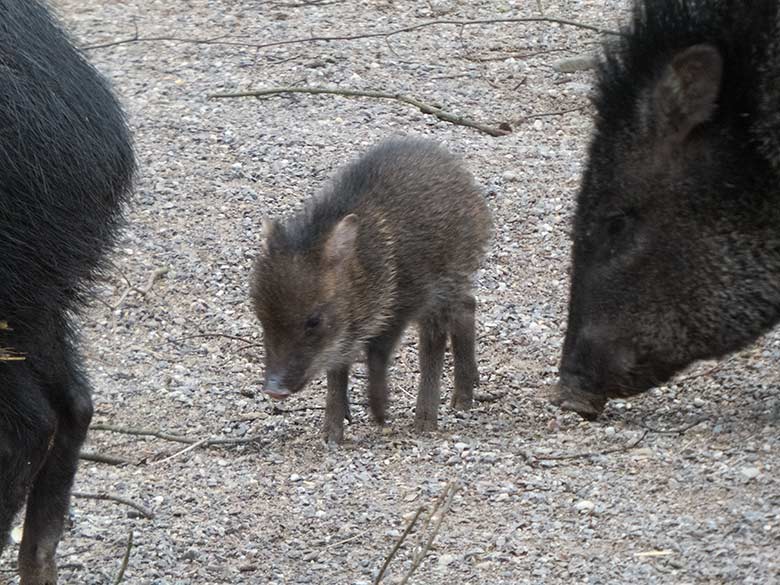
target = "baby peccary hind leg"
x: 336, y: 405
x: 462, y: 333
x: 433, y: 342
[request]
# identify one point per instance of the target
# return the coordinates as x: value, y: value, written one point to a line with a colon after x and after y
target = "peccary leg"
x: 433, y: 342
x: 27, y: 425
x: 47, y: 504
x: 462, y: 333
x: 378, y: 353
x: 336, y: 405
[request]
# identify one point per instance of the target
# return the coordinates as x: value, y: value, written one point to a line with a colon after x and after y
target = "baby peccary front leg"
x: 433, y: 342
x: 378, y: 355
x: 336, y: 405
x: 462, y: 333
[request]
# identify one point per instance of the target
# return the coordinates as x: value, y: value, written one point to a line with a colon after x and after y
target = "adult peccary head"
x: 676, y: 253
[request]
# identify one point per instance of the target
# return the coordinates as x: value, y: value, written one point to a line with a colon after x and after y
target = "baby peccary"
x: 395, y: 238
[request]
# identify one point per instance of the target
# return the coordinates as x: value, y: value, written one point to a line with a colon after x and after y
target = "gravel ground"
x: 679, y: 485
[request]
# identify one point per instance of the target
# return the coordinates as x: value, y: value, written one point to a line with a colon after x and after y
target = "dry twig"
x: 446, y: 498
x: 398, y: 544
x: 679, y: 431
x: 210, y: 442
x: 220, y: 40
x: 107, y: 459
x: 589, y: 454
x: 145, y: 512
x: 182, y: 452
x: 125, y: 559
x: 422, y: 106
x: 439, y: 510
x: 522, y: 119
x: 153, y: 277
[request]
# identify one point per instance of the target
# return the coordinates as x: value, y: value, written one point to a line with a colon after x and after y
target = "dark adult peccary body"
x: 676, y: 253
x: 66, y: 165
x: 395, y: 238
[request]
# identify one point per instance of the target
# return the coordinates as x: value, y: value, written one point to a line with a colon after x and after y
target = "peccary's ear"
x: 687, y: 93
x: 341, y: 242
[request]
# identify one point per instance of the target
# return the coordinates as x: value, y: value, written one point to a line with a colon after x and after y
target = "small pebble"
x: 750, y: 472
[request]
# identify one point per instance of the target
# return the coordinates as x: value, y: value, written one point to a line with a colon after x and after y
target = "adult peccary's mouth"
x: 588, y: 405
x: 277, y: 394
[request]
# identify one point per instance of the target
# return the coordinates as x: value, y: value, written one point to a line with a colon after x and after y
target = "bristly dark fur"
x: 662, y: 27
x: 66, y: 163
x: 373, y: 173
x: 66, y: 171
x: 676, y: 253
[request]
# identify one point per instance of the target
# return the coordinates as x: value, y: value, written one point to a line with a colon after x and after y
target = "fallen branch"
x: 123, y: 567
x: 449, y: 492
x: 522, y: 119
x: 145, y: 512
x: 679, y: 431
x: 136, y: 38
x: 153, y: 277
x: 398, y: 544
x: 589, y: 454
x: 423, y: 107
x: 182, y: 452
x: 348, y: 540
x: 174, y: 438
x: 439, y: 510
x: 107, y: 459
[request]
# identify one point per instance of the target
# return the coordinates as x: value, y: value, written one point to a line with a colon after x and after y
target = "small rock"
x: 584, y: 506
x: 16, y: 534
x: 750, y: 472
x: 295, y: 478
x: 509, y: 176
x: 574, y: 64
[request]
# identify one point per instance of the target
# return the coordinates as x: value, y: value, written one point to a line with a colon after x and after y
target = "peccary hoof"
x: 333, y: 434
x: 462, y: 402
x: 589, y: 406
x: 425, y: 425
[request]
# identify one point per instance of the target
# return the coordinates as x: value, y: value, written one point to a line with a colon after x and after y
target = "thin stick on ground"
x: 145, y: 290
x: 181, y: 452
x: 107, y: 459
x: 523, y: 119
x: 125, y: 559
x: 589, y: 454
x: 209, y: 442
x: 222, y: 40
x: 437, y: 513
x: 398, y: 544
x: 422, y: 106
x: 678, y: 431
x: 348, y: 540
x: 145, y: 512
x: 449, y: 491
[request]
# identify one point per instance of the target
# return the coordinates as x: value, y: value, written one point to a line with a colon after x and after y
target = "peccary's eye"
x: 313, y: 321
x: 616, y: 225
